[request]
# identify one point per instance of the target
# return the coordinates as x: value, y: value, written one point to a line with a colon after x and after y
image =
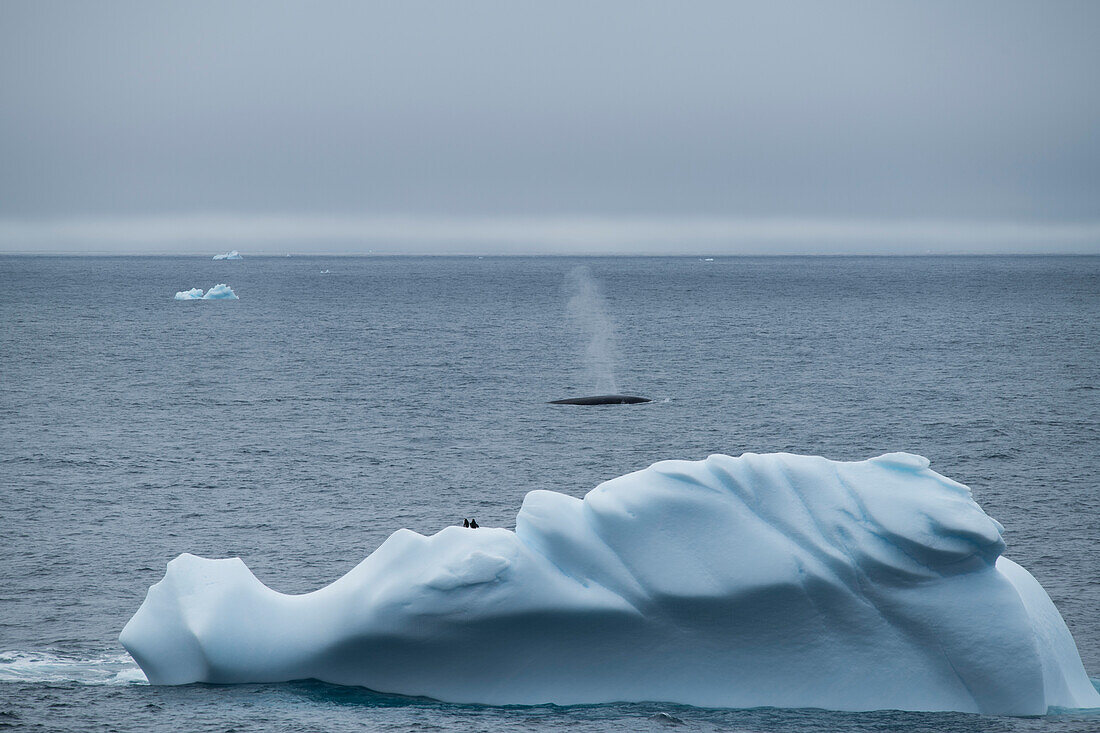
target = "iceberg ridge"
x: 765, y: 580
x: 220, y: 292
x: 232, y: 255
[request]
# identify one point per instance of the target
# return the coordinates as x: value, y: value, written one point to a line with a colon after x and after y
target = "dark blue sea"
x: 343, y: 398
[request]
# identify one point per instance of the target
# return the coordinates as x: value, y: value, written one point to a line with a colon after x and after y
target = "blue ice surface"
x: 218, y: 292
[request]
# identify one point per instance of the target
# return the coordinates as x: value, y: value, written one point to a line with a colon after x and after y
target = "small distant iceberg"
x: 218, y: 292
x: 192, y: 294
x: 234, y: 255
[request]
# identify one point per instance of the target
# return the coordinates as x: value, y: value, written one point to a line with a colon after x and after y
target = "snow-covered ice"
x: 233, y: 255
x: 218, y: 292
x: 764, y: 580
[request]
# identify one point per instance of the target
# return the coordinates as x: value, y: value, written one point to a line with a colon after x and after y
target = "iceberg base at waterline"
x: 218, y: 292
x: 765, y: 580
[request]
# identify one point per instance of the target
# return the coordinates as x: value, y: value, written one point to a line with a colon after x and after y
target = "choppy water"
x: 298, y: 427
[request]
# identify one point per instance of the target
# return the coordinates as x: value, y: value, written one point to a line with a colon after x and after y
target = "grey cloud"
x: 868, y: 111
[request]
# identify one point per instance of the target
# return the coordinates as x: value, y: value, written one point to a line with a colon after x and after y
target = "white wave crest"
x: 38, y: 666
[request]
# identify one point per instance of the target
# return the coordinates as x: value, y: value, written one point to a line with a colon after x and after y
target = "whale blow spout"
x: 603, y: 399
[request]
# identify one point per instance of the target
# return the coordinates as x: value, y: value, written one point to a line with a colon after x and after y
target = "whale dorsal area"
x: 603, y: 399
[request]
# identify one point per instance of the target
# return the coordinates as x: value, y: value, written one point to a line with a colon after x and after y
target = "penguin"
x: 465, y: 522
x: 473, y: 524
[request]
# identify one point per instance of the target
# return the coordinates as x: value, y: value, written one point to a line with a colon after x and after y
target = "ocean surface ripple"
x: 301, y: 425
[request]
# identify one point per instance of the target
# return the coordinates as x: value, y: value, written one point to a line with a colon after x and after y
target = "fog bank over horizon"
x: 516, y: 127
x: 284, y: 234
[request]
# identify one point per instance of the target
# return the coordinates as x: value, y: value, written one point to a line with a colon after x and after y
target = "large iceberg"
x: 232, y: 255
x: 764, y: 580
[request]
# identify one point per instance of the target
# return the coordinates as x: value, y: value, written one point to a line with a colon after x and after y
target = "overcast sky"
x: 552, y: 126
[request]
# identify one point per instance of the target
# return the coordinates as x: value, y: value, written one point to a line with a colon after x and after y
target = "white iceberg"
x: 218, y: 292
x: 233, y: 255
x: 764, y: 580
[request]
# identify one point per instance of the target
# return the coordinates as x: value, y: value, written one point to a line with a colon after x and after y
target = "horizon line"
x: 407, y: 234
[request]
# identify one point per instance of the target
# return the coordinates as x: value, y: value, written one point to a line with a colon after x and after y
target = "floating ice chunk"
x: 234, y: 255
x: 220, y: 292
x: 764, y: 580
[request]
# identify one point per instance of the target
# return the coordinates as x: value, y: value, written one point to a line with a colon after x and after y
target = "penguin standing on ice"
x: 465, y: 522
x: 473, y: 524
